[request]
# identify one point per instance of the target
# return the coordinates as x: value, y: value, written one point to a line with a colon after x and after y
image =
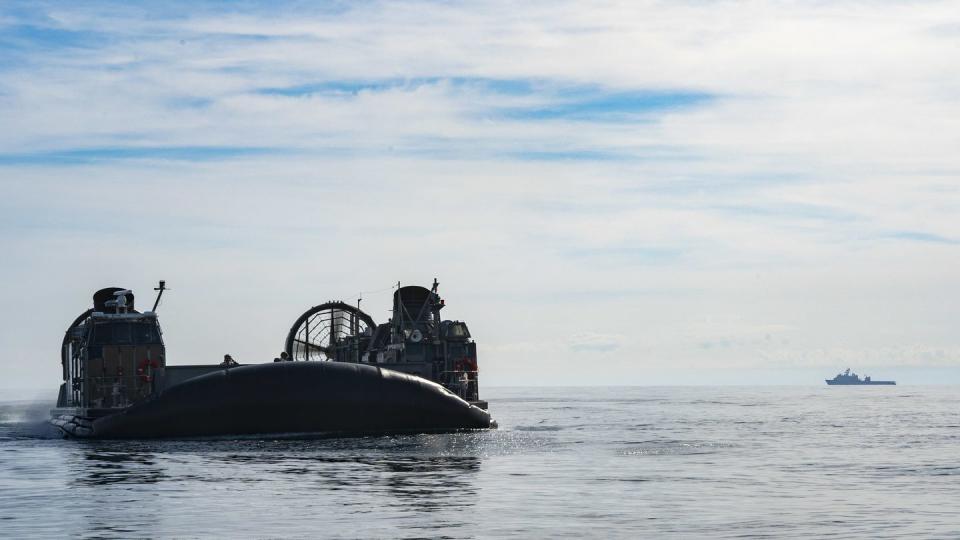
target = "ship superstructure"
x: 111, y: 355
x: 849, y: 379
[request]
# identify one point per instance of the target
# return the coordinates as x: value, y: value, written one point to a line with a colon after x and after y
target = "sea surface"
x: 625, y: 462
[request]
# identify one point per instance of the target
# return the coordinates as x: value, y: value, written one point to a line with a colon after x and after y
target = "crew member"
x: 464, y: 385
x: 284, y: 357
x: 228, y: 361
x: 470, y: 367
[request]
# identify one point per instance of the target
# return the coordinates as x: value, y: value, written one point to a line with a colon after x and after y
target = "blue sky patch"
x: 556, y: 100
x: 171, y: 153
x: 30, y: 38
x: 597, y: 104
x: 518, y: 87
x: 917, y: 236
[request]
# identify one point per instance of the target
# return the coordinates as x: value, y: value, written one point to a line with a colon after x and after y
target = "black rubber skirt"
x: 295, y: 397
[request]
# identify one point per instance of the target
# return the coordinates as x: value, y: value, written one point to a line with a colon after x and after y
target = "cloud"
x: 594, y: 342
x: 917, y: 236
x: 680, y: 173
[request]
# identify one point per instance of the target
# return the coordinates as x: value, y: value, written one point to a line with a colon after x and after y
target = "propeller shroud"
x: 315, y: 334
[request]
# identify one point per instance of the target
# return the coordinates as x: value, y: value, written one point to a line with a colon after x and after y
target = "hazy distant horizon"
x: 805, y: 378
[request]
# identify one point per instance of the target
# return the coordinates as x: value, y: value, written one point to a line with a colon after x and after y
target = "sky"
x: 608, y: 192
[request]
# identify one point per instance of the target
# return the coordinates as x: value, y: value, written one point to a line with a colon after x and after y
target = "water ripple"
x: 600, y: 463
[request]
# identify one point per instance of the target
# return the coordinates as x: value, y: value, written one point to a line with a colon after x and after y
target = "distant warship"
x: 415, y: 373
x: 847, y: 378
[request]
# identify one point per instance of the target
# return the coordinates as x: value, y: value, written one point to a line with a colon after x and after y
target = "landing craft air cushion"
x: 415, y: 373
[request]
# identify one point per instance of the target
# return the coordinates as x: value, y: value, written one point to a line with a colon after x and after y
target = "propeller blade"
x: 314, y: 347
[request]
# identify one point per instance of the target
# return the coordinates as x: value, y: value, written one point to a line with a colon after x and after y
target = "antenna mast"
x: 161, y: 288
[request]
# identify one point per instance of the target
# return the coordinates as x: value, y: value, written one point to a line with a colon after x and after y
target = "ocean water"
x: 638, y: 462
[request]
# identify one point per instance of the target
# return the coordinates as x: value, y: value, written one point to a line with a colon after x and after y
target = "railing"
x: 113, y: 392
x: 462, y: 382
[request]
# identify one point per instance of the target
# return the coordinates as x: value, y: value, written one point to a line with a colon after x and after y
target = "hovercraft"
x: 342, y: 374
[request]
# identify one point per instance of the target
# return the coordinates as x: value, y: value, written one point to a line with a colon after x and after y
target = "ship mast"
x: 162, y: 287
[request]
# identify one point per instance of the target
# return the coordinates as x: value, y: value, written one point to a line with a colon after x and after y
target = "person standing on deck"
x: 228, y: 361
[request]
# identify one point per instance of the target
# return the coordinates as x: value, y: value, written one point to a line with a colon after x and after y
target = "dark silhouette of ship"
x: 415, y: 373
x: 849, y: 379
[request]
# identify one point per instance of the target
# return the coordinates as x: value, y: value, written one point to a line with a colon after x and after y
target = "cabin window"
x: 102, y: 334
x: 145, y: 333
x: 121, y: 333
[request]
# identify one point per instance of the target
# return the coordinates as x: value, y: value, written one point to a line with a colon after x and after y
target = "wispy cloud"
x: 917, y: 236
x: 595, y: 342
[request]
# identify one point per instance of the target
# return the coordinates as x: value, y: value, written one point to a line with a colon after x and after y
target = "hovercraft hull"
x: 287, y: 397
